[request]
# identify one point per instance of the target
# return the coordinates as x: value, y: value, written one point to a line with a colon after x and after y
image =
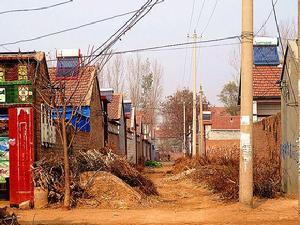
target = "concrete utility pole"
x: 202, y: 151
x: 246, y: 150
x: 184, y: 131
x: 194, y: 128
x: 299, y: 102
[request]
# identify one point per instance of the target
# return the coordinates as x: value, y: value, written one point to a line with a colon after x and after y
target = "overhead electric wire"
x: 73, y: 28
x: 210, y: 17
x: 35, y: 9
x: 266, y: 21
x: 200, y: 14
x: 192, y: 16
x: 282, y: 48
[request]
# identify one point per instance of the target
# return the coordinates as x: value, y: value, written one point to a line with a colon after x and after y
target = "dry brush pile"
x: 49, y: 174
x: 220, y: 172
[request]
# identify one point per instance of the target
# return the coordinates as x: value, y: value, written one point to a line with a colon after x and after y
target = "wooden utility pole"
x: 184, y: 130
x: 202, y: 151
x: 246, y: 149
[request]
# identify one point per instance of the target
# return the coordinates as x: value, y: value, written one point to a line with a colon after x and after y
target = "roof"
x: 265, y: 80
x: 115, y: 107
x: 78, y: 88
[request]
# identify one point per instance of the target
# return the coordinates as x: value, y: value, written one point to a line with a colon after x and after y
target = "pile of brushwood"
x: 49, y: 173
x: 220, y: 173
x: 7, y: 218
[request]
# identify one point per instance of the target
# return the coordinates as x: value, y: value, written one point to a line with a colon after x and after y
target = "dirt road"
x: 180, y: 202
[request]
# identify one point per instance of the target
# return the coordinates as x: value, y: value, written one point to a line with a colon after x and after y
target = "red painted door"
x: 20, y: 128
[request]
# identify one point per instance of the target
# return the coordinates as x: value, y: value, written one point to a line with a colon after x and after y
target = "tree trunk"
x: 66, y: 165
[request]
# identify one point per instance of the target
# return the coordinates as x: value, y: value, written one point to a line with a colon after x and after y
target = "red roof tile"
x: 264, y: 81
x: 79, y: 88
x: 114, y: 108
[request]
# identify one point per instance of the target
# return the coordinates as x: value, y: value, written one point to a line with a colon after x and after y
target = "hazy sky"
x: 168, y: 22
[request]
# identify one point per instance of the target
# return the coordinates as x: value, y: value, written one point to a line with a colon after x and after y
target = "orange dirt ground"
x: 180, y: 202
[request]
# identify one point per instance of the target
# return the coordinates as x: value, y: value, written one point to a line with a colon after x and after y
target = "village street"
x: 180, y: 202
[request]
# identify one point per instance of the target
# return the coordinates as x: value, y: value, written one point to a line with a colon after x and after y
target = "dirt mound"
x: 103, y: 189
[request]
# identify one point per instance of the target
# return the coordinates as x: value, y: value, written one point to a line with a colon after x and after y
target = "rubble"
x: 106, y: 190
x: 49, y: 174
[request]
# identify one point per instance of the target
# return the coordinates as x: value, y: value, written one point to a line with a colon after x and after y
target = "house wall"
x: 83, y: 140
x: 131, y: 148
x: 140, y: 155
x: 290, y: 127
x: 122, y: 133
x: 113, y: 142
x: 222, y: 134
x: 265, y: 109
x: 267, y: 138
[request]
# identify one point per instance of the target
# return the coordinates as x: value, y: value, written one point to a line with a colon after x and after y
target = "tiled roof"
x: 264, y: 81
x: 78, y: 88
x: 114, y: 108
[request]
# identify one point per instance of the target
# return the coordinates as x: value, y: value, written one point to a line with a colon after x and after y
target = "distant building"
x: 290, y: 120
x: 221, y: 129
x: 117, y: 124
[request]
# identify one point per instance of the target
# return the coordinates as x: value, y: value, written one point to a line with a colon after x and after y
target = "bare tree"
x: 114, y: 74
x: 134, y: 77
x: 288, y: 31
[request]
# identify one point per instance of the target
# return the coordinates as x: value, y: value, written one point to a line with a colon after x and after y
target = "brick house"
x: 266, y: 74
x: 84, y: 109
x: 290, y: 120
x: 22, y: 75
x: 131, y: 133
x: 117, y: 124
x: 220, y: 128
x: 144, y: 145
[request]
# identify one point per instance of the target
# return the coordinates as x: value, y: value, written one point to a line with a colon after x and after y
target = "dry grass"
x: 220, y: 172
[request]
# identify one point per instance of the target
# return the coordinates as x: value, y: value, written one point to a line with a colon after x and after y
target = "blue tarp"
x: 81, y: 118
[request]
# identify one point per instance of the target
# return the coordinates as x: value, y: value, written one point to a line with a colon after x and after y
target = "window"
x: 2, y: 74
x: 22, y: 72
x: 68, y: 66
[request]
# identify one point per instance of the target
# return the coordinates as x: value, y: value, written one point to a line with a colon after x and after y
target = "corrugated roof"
x: 115, y: 107
x: 78, y: 88
x: 264, y: 81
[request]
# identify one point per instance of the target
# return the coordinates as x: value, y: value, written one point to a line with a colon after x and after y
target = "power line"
x: 266, y: 21
x: 282, y: 49
x: 162, y: 48
x: 200, y: 14
x: 192, y: 16
x: 73, y: 28
x: 211, y: 16
x: 36, y: 9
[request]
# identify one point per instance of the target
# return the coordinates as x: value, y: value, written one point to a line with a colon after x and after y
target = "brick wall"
x: 267, y: 138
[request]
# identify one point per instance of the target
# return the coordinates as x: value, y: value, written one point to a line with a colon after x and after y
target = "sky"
x: 169, y: 22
